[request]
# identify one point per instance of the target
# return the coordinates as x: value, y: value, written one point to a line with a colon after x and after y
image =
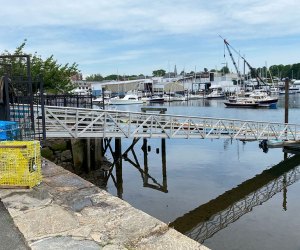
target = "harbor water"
x: 226, y: 194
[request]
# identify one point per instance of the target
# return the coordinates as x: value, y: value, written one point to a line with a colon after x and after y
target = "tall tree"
x: 56, y: 77
x: 159, y: 72
x: 94, y: 77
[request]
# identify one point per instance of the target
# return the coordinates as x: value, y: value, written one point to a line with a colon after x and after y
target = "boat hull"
x: 241, y: 105
x: 120, y: 102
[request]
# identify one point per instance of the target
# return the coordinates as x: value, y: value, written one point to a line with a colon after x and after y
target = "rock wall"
x: 76, y: 155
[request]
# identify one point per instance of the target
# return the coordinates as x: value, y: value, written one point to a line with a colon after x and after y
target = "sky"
x: 131, y: 37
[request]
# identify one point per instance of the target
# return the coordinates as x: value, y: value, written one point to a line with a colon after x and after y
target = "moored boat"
x: 217, y: 93
x: 263, y: 98
x: 127, y: 99
x: 242, y: 103
x: 156, y: 99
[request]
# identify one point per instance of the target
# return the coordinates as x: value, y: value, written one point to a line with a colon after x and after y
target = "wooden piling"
x: 286, y: 102
x: 119, y: 172
x: 88, y: 154
x: 98, y: 152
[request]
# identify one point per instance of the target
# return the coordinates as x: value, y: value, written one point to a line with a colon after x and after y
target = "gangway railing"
x: 91, y: 123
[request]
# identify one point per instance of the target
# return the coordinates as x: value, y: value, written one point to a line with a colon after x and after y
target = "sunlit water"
x: 202, y: 171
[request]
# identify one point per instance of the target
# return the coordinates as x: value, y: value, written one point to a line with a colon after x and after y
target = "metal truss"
x: 90, y: 123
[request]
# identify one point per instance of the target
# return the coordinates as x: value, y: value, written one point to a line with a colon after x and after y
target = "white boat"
x: 292, y: 90
x: 195, y: 96
x: 274, y: 91
x: 242, y: 102
x: 216, y: 93
x: 174, y: 97
x: 153, y: 99
x: 262, y: 97
x: 127, y: 99
x: 156, y: 99
x: 99, y: 100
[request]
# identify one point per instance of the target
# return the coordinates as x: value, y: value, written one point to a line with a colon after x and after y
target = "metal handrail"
x: 92, y: 123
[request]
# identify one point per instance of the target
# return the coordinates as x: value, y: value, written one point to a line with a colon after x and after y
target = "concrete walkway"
x: 10, y: 236
x: 67, y: 212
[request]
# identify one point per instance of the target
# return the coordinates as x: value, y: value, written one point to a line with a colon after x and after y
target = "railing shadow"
x: 211, y: 217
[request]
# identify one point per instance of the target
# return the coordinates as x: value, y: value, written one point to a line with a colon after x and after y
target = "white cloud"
x: 140, y: 31
x: 168, y: 17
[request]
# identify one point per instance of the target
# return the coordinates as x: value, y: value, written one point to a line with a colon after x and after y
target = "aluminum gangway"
x: 65, y: 122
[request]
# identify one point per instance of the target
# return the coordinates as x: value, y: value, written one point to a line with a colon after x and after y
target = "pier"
x: 63, y: 122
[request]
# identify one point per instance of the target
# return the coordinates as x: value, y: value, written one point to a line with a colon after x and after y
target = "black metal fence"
x: 79, y: 101
x: 26, y: 108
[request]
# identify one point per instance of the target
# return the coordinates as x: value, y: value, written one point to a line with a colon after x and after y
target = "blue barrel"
x: 9, y: 131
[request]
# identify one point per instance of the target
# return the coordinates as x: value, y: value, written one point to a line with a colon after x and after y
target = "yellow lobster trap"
x: 20, y: 164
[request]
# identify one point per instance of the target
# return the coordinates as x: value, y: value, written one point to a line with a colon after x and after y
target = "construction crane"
x: 253, y: 70
x: 233, y: 61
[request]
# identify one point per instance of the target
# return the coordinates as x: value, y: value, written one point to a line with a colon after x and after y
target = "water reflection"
x: 213, y: 216
x: 130, y: 156
x: 209, y: 218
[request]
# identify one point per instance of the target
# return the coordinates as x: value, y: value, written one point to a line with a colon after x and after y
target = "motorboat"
x: 127, y: 99
x: 292, y: 90
x: 156, y: 99
x: 153, y: 99
x: 274, y: 91
x: 99, y: 100
x: 216, y: 93
x: 262, y: 97
x: 245, y: 102
x: 174, y: 97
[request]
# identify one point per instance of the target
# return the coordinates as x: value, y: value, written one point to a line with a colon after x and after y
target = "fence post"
x: 4, y: 99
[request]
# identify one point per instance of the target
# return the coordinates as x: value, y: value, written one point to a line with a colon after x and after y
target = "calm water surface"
x: 224, y: 193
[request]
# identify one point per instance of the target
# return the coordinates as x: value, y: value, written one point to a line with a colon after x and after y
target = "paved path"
x: 67, y: 212
x: 10, y: 236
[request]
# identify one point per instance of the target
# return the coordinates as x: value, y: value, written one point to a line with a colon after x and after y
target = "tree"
x: 225, y: 70
x: 159, y: 72
x: 56, y: 77
x: 113, y: 77
x: 94, y: 77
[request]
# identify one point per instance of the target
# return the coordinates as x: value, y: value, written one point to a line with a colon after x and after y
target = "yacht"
x: 292, y: 90
x: 274, y: 91
x: 216, y: 93
x: 153, y: 99
x: 127, y: 99
x: 262, y: 97
x: 242, y: 102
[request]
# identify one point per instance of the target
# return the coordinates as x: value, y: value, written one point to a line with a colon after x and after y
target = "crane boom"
x: 233, y: 61
x: 253, y: 70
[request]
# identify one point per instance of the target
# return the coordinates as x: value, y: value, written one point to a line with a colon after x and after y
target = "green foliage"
x: 159, y: 72
x: 94, y: 77
x: 56, y: 77
x: 113, y: 77
x: 225, y: 70
x: 283, y: 71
